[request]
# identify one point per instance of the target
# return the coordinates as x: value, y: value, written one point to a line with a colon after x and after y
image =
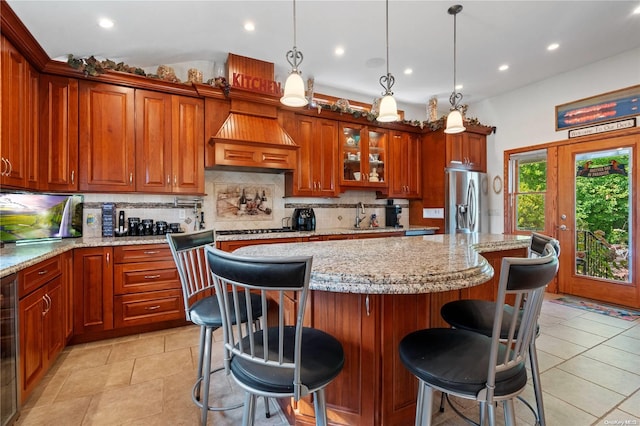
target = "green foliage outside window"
x: 530, y: 206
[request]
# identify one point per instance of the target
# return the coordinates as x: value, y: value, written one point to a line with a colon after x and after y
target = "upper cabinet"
x: 169, y: 143
x: 139, y: 140
x: 467, y: 149
x: 315, y: 174
x: 107, y: 138
x: 405, y: 165
x: 58, y: 145
x: 19, y: 109
x: 363, y: 156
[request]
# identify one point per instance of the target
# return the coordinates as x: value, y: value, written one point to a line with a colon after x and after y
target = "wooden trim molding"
x: 15, y: 31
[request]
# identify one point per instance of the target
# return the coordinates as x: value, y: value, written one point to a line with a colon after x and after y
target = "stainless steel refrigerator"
x: 465, y: 201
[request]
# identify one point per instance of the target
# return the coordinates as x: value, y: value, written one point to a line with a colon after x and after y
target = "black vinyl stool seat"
x: 284, y: 359
x: 475, y: 366
x: 477, y: 316
x: 202, y: 308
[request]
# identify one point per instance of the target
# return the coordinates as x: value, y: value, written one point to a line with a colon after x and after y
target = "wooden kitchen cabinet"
x: 147, y: 287
x: 316, y: 172
x: 92, y: 290
x: 467, y: 149
x: 169, y: 143
x: 19, y: 110
x: 107, y: 138
x: 363, y: 157
x: 405, y: 165
x: 42, y: 314
x: 231, y: 246
x: 58, y: 144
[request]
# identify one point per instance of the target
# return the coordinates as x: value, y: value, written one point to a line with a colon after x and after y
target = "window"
x: 527, y: 191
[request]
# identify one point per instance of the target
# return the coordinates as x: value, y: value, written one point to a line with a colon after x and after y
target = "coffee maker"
x: 392, y: 214
x: 303, y: 220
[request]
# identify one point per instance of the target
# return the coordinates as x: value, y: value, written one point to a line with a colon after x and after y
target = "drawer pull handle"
x: 44, y: 271
x: 151, y: 252
x: 151, y: 277
x: 152, y: 308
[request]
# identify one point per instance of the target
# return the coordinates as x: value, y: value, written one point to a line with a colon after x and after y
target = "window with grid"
x: 527, y: 191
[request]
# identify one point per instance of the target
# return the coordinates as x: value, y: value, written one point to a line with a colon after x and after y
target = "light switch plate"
x: 433, y: 213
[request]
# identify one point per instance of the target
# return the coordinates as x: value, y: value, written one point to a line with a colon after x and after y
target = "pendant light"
x: 294, y: 95
x: 455, y: 123
x: 388, y: 107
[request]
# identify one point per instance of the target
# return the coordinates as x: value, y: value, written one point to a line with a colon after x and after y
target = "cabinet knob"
x: 73, y: 177
x: 131, y: 178
x: 4, y: 167
x: 151, y: 277
x: 9, y: 167
x: 42, y: 272
x: 152, y: 308
x: 168, y: 180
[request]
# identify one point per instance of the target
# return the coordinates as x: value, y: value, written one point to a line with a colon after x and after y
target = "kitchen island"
x: 371, y: 293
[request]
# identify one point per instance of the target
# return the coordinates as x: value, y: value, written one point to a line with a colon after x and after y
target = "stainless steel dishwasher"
x: 8, y: 349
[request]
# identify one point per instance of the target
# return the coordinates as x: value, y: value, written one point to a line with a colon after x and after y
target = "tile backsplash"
x: 330, y: 212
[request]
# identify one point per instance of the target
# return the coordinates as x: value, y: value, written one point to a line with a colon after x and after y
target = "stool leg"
x: 249, y: 410
x: 206, y: 379
x: 200, y: 355
x: 267, y: 413
x: 535, y: 376
x: 424, y: 403
x: 320, y: 407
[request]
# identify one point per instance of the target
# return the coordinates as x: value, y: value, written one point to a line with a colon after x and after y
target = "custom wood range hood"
x: 251, y: 138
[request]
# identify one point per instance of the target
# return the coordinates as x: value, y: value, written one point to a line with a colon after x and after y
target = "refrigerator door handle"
x: 472, y: 202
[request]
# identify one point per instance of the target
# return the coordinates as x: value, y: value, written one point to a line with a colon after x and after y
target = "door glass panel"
x: 352, y: 154
x: 376, y: 156
x: 603, y: 216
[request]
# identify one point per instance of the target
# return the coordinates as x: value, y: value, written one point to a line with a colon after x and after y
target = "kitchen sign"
x: 602, y: 128
x: 252, y: 74
x: 256, y: 84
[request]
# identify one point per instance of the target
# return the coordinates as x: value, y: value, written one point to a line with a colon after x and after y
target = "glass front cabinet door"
x: 363, y: 150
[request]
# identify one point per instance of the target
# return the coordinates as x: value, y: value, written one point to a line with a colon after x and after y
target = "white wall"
x: 526, y: 116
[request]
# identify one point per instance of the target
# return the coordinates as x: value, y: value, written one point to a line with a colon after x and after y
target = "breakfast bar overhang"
x: 371, y: 293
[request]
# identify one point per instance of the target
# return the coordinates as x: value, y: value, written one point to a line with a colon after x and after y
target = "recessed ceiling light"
x: 249, y: 26
x: 339, y: 51
x: 503, y: 67
x: 553, y: 46
x: 408, y: 71
x: 637, y: 11
x: 105, y: 23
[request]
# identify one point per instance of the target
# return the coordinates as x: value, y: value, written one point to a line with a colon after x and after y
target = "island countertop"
x: 403, y: 265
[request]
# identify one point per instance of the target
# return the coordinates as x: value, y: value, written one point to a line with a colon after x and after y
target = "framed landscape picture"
x: 599, y: 109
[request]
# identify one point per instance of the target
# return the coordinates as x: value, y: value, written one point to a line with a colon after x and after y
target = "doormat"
x: 599, y: 308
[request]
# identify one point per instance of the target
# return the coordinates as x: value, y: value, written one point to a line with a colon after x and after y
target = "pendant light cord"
x: 294, y: 57
x: 387, y: 24
x: 455, y: 97
x: 387, y: 81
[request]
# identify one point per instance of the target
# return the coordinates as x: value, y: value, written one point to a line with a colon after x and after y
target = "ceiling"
x: 489, y: 33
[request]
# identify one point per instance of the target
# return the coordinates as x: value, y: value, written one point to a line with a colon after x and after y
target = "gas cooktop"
x: 253, y: 231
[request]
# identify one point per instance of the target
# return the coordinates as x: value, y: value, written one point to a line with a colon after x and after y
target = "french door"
x: 598, y: 219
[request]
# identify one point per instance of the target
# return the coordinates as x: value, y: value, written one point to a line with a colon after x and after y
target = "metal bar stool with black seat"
x: 202, y: 308
x: 473, y: 365
x: 284, y: 359
x: 478, y: 315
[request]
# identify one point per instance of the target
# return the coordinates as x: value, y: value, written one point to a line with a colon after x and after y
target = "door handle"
x: 562, y: 227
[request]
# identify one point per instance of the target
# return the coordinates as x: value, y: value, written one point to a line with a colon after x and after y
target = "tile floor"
x: 590, y: 367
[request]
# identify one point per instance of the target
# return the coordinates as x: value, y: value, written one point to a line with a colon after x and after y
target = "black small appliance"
x: 392, y: 214
x: 303, y: 220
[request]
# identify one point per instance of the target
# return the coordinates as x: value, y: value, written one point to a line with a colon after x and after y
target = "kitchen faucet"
x: 359, y: 211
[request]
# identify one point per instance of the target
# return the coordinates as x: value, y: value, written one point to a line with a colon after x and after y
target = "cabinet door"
x: 54, y: 320
x: 405, y: 165
x: 468, y: 149
x: 188, y: 145
x: 32, y: 350
x: 303, y: 179
x: 33, y: 155
x: 58, y: 133
x: 107, y: 138
x: 363, y: 156
x: 15, y: 128
x: 324, y: 158
x: 67, y: 288
x: 93, y: 289
x: 153, y: 141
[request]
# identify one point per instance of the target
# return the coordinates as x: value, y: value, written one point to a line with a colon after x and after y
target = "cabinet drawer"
x: 147, y: 276
x: 147, y: 308
x: 142, y: 253
x: 34, y: 276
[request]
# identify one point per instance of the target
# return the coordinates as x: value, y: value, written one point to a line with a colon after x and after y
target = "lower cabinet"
x: 92, y: 290
x: 42, y: 316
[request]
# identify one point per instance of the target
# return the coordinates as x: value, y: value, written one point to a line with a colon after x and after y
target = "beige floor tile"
x: 185, y: 337
x: 632, y: 405
x: 545, y: 360
x: 47, y: 391
x: 560, y: 311
x: 579, y: 337
x: 86, y: 358
x: 605, y: 375
x: 594, y: 327
x: 90, y: 381
x: 612, y: 321
x: 625, y: 343
x: 68, y: 413
x: 618, y: 417
x: 137, y: 348
x: 559, y: 413
x: 125, y: 405
x: 558, y: 347
x: 633, y: 332
x: 589, y: 397
x: 616, y: 357
x: 162, y: 364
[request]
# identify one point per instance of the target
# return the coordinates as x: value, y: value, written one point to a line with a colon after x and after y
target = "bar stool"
x: 478, y: 316
x: 472, y: 365
x: 202, y: 308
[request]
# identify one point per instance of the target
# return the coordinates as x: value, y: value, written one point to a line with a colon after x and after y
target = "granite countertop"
x: 403, y: 265
x: 326, y: 231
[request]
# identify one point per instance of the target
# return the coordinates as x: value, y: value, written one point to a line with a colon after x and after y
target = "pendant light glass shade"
x: 294, y: 95
x: 454, y: 122
x: 388, y: 110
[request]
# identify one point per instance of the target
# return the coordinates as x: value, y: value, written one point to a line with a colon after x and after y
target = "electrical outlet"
x: 433, y: 213
x: 182, y: 214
